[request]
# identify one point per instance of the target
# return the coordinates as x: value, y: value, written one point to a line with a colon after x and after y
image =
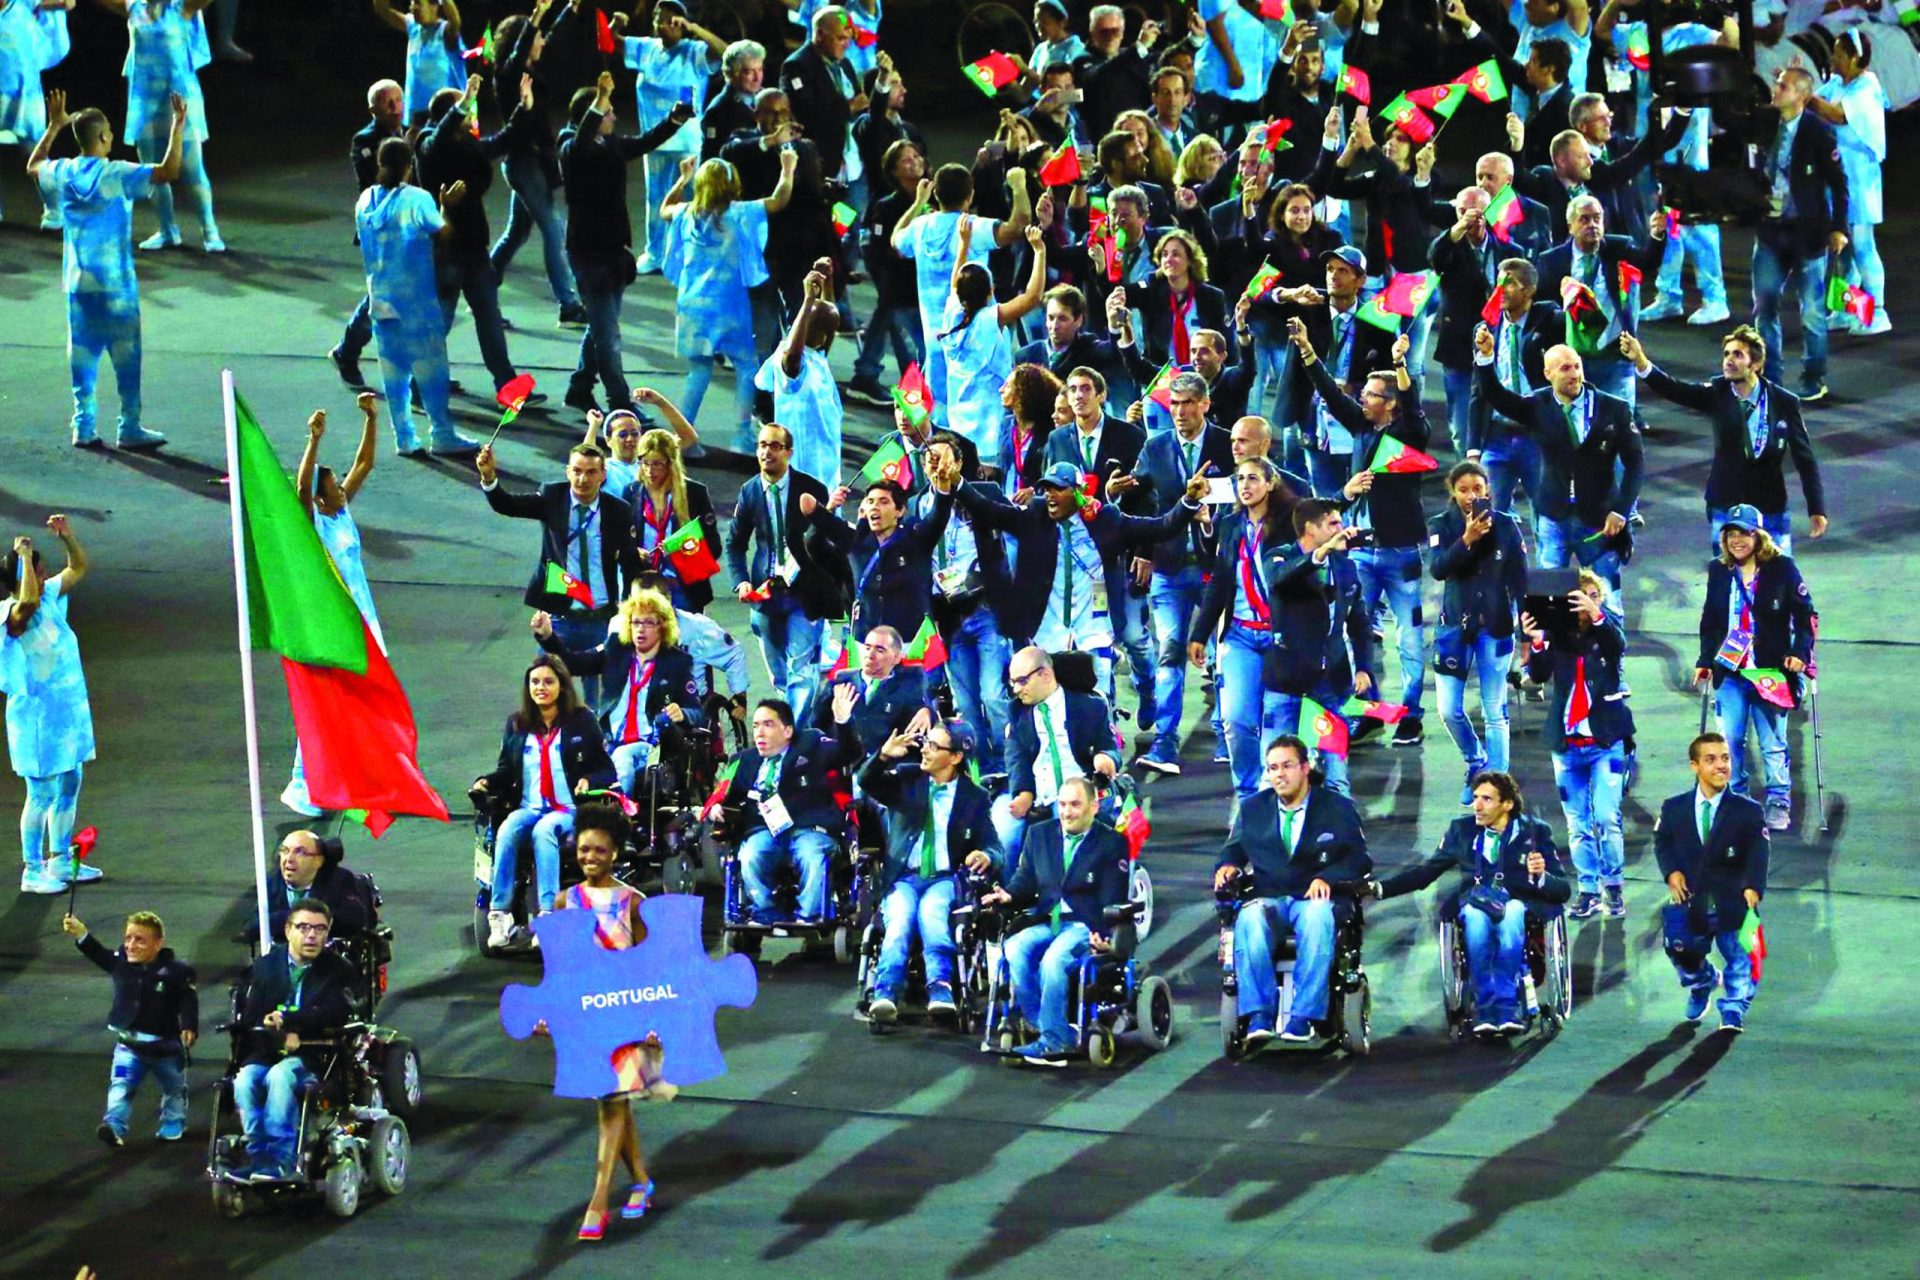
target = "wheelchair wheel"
x: 390, y: 1148
x: 842, y: 943
x: 342, y: 1186
x: 229, y: 1199
x: 401, y: 1084
x: 678, y: 874
x: 1232, y: 1047
x: 1356, y: 1037
x: 1101, y: 1047
x: 1559, y: 992
x: 1140, y: 889
x: 1153, y: 1013
x: 480, y: 931
x: 1453, y: 974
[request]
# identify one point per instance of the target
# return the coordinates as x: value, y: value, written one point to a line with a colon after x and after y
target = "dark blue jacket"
x: 1095, y: 353
x: 1163, y: 475
x: 1393, y: 504
x: 1585, y: 469
x: 1737, y: 475
x: 1467, y: 273
x: 1119, y: 451
x: 814, y: 764
x: 1097, y: 879
x: 1545, y: 327
x: 1603, y: 647
x: 893, y: 584
x: 672, y: 680
x: 698, y: 595
x: 1372, y: 350
x: 1224, y: 577
x: 1308, y: 600
x: 156, y: 999
x: 552, y: 506
x: 326, y: 1000
x: 1484, y: 582
x: 1331, y: 844
x: 877, y: 713
x: 1818, y: 184
x: 1556, y: 264
x: 903, y: 788
x: 1089, y: 733
x: 349, y: 895
x: 1783, y: 618
x: 583, y: 755
x: 1733, y: 859
x: 1459, y: 851
x: 1153, y: 299
x: 815, y: 588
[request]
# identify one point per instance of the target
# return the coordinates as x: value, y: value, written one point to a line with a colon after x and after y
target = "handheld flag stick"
x: 246, y: 659
x: 1706, y: 700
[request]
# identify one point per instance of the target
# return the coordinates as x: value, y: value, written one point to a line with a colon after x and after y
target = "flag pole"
x: 246, y: 657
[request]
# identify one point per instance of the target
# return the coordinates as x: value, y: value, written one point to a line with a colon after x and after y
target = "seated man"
x: 886, y: 696
x: 309, y: 866
x: 783, y: 787
x: 297, y: 990
x: 937, y: 822
x: 1506, y: 861
x: 1053, y: 736
x: 1299, y: 841
x: 1072, y: 870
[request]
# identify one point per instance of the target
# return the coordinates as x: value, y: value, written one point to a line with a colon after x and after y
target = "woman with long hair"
x: 1199, y: 161
x: 664, y: 501
x: 166, y: 47
x: 1029, y: 397
x: 1173, y: 303
x: 974, y: 342
x: 1292, y: 240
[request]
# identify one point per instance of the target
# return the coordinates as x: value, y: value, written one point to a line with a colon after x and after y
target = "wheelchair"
x: 1112, y: 994
x: 964, y: 920
x: 852, y: 890
x: 1546, y: 980
x: 346, y: 1137
x: 1348, y: 1025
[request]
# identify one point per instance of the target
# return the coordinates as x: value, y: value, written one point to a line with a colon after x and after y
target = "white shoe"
x: 1881, y: 324
x: 883, y: 1010
x: 1710, y: 315
x: 295, y: 797
x: 499, y: 929
x: 160, y: 240
x: 35, y: 879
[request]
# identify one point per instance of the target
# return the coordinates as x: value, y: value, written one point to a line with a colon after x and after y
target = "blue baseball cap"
x: 1061, y: 475
x: 1349, y: 254
x: 1745, y: 516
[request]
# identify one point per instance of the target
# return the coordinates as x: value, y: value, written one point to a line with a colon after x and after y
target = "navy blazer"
x: 1460, y: 851
x: 347, y: 894
x: 1556, y: 264
x: 878, y: 712
x: 1162, y: 471
x: 1783, y: 618
x: 1224, y: 579
x: 1606, y: 177
x: 1372, y: 351
x: 583, y: 755
x: 698, y: 595
x: 673, y: 678
x: 1085, y: 349
x: 1118, y: 452
x: 326, y: 1000
x: 1154, y: 301
x: 1584, y: 470
x: 1114, y: 534
x: 1393, y: 504
x: 1544, y: 327
x: 158, y: 998
x: 1331, y: 844
x: 1818, y: 184
x: 1318, y: 618
x: 814, y: 587
x: 1739, y: 475
x: 1484, y: 582
x: 1089, y: 733
x: 552, y: 506
x: 1096, y: 880
x: 1464, y: 285
x: 1603, y: 647
x: 1733, y: 859
x: 815, y: 763
x: 818, y: 104
x: 893, y: 584
x: 903, y: 787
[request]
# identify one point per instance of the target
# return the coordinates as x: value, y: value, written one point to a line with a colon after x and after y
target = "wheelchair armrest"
x: 1126, y: 911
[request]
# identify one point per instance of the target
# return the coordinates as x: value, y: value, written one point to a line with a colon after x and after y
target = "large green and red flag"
x: 1062, y: 168
x: 1410, y: 120
x: 1354, y: 83
x: 561, y: 583
x: 1484, y: 81
x: 913, y: 397
x: 992, y: 73
x: 1384, y: 712
x: 354, y: 725
x: 1441, y: 99
x: 890, y: 463
x: 926, y: 650
x: 1771, y: 684
x: 1393, y: 458
x: 1505, y: 212
x: 690, y: 553
x: 1131, y: 821
x: 1322, y: 729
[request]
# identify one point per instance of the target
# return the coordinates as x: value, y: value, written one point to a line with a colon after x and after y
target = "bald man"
x: 306, y: 866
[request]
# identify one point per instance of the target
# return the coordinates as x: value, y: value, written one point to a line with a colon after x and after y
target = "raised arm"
x: 57, y: 120
x: 369, y: 406
x: 310, y: 460
x: 1022, y: 215
x: 1012, y: 310
x: 921, y: 196
x: 783, y: 189
x: 77, y: 561
x: 169, y: 167
x: 683, y: 430
x: 26, y: 594
x: 382, y: 9
x: 451, y: 13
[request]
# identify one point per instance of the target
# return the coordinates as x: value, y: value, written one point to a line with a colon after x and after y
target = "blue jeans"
x: 1779, y: 527
x: 1133, y: 632
x: 977, y: 657
x: 1041, y: 963
x: 602, y: 282
x: 1253, y: 933
x: 1495, y: 953
x: 530, y: 206
x: 915, y: 901
x: 581, y: 632
x: 700, y: 377
x: 790, y: 646
x: 544, y: 829
x: 476, y: 279
x: 764, y: 855
x: 359, y: 331
x: 1568, y: 540
x: 1775, y: 262
x: 100, y: 324
x: 1173, y: 599
x: 898, y: 323
x: 1488, y: 657
x: 413, y: 353
x: 1252, y: 713
x: 1269, y: 358
x: 1688, y: 949
x: 1287, y: 712
x: 1458, y: 384
x: 1591, y: 781
x: 1702, y: 244
x: 1393, y: 574
x: 1512, y: 460
x: 129, y: 1069
x: 268, y: 1100
x: 1738, y: 705
x: 662, y: 168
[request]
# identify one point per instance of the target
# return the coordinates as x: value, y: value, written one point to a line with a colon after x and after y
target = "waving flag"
x: 1753, y: 940
x: 1639, y: 50
x: 1384, y: 712
x: 913, y: 397
x: 1505, y: 212
x: 1277, y: 10
x: 1062, y: 168
x: 1393, y: 458
x: 1410, y: 120
x: 513, y: 397
x: 992, y: 73
x: 926, y: 650
x: 721, y: 781
x: 1160, y: 390
x: 1262, y: 284
x: 561, y: 583
x: 603, y: 33
x: 1496, y: 307
x: 1441, y: 99
x: 890, y: 463
x: 1484, y: 81
x: 844, y: 218
x: 1130, y: 820
x: 1322, y: 729
x: 1354, y: 83
x: 1586, y: 322
x: 691, y: 556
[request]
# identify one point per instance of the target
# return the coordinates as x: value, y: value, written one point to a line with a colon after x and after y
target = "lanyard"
x: 770, y: 769
x: 879, y: 551
x: 1182, y: 348
x: 637, y: 681
x: 663, y: 523
x: 1757, y: 421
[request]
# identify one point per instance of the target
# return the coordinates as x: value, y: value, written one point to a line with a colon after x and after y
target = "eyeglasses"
x: 1020, y: 682
x: 308, y: 930
x: 645, y: 621
x: 297, y: 851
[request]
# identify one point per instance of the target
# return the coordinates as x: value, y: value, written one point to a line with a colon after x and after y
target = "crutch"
x: 1819, y: 778
x: 1706, y: 702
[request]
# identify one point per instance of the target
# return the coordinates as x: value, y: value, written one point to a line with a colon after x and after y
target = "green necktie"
x: 779, y: 552
x: 1515, y: 340
x: 1589, y: 265
x: 1087, y: 448
x: 1066, y: 608
x: 1706, y: 821
x: 927, y: 835
x: 1053, y: 746
x: 1188, y: 449
x: 1573, y: 422
x: 1287, y: 817
x: 582, y: 517
x: 1066, y: 861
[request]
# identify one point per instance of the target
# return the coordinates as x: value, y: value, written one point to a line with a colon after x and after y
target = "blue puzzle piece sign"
x: 594, y: 1000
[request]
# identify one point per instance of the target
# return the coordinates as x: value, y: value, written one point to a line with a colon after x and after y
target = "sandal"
x: 639, y: 1200
x: 593, y: 1226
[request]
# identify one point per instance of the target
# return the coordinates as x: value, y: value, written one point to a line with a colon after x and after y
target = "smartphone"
x: 1358, y: 538
x: 1072, y: 97
x: 996, y: 149
x: 1480, y: 508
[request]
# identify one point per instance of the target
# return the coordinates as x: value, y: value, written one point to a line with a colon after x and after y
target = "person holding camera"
x: 1588, y: 730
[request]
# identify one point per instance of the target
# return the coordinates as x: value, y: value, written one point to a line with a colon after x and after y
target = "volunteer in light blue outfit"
x: 715, y: 251
x: 49, y: 721
x: 806, y: 399
x: 973, y: 339
x: 1057, y: 44
x: 1219, y: 104
x: 398, y: 224
x: 669, y: 68
x: 32, y: 40
x: 325, y: 498
x: 1855, y: 104
x: 1701, y: 241
x: 166, y: 47
x: 433, y: 49
x: 95, y: 197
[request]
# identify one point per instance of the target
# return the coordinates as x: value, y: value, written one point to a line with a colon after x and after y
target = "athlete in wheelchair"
x: 940, y: 835
x: 1066, y: 982
x: 300, y: 1084
x: 1504, y: 926
x: 1296, y: 854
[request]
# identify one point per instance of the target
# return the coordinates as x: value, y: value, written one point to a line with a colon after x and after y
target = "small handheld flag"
x: 1484, y: 81
x: 926, y: 650
x: 1062, y: 168
x: 1384, y: 712
x: 1639, y: 51
x: 721, y: 781
x: 1441, y: 99
x: 1771, y: 684
x: 913, y: 397
x: 844, y: 218
x: 1262, y: 285
x: 1496, y: 306
x: 1160, y: 390
x: 484, y: 50
x: 1392, y: 457
x: 1130, y: 820
x: 1322, y: 729
x: 863, y: 38
x: 1505, y: 212
x: 691, y: 556
x: 992, y: 73
x: 603, y: 33
x: 1354, y: 83
x: 83, y: 842
x: 889, y: 464
x: 1277, y: 10
x: 512, y: 398
x: 1410, y: 120
x: 561, y: 583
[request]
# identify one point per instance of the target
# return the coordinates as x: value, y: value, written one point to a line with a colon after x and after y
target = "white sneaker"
x: 1881, y: 324
x: 1708, y: 314
x: 499, y: 929
x: 35, y: 879
x: 295, y: 797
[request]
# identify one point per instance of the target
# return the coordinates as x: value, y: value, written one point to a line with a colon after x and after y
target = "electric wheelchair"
x: 852, y: 886
x: 1348, y: 1025
x: 1112, y: 993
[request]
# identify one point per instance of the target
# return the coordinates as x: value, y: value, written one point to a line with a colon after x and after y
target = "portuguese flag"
x: 926, y: 650
x: 721, y: 781
x: 1639, y: 51
x: 1753, y: 940
x: 913, y: 397
x: 354, y: 724
x: 1354, y: 83
x: 844, y: 218
x: 1322, y: 729
x: 1771, y: 684
x: 1062, y: 168
x: 1130, y: 820
x: 1495, y: 307
x: 1484, y: 81
x: 1410, y: 120
x: 1160, y: 390
x: 1441, y: 99
x: 888, y: 463
x: 1504, y: 213
x: 561, y: 583
x: 992, y: 73
x: 1262, y: 283
x: 691, y: 556
x: 1393, y: 458
x: 1384, y: 712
